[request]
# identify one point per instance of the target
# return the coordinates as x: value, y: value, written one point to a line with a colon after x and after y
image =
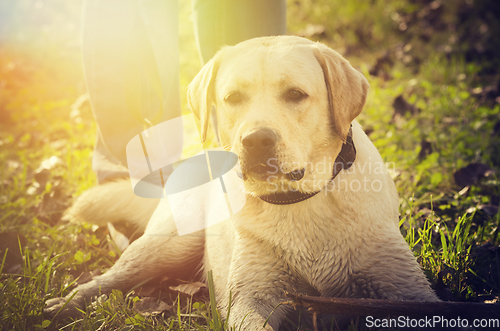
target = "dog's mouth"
x: 262, y: 172
x: 296, y: 175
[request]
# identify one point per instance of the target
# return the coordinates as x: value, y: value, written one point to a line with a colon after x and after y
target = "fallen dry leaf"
x: 425, y: 149
x: 382, y: 66
x: 50, y: 163
x: 471, y: 174
x: 402, y: 107
x: 10, y: 242
x: 490, y: 210
x: 189, y: 289
x: 119, y: 238
x: 151, y: 306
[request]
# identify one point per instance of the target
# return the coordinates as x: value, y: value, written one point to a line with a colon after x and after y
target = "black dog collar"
x: 344, y: 160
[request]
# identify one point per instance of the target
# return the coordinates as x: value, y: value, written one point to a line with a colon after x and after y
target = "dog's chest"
x: 307, y: 242
x: 320, y: 261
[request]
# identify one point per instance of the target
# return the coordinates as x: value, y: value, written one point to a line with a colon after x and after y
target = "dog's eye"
x: 234, y: 97
x: 295, y: 95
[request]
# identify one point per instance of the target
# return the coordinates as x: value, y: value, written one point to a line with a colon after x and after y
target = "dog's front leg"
x: 257, y: 283
x: 254, y: 304
x: 148, y: 257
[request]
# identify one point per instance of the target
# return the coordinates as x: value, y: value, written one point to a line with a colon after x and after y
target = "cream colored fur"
x: 88, y: 207
x: 343, y: 242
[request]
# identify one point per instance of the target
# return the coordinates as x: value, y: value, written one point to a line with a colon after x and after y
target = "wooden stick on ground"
x: 384, y: 308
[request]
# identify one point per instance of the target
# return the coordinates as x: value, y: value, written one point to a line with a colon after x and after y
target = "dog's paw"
x: 57, y: 308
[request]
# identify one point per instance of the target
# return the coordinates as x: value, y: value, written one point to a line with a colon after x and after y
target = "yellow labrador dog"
x: 321, y: 212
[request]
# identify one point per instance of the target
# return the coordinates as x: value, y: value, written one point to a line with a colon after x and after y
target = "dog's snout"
x: 260, y: 140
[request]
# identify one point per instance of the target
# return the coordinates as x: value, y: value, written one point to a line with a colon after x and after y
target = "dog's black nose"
x: 259, y: 141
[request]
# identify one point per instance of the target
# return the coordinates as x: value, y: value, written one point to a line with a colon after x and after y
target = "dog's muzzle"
x: 344, y: 161
x: 259, y: 153
x: 259, y: 142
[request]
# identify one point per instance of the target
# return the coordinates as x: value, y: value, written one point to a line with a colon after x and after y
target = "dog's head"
x: 284, y: 105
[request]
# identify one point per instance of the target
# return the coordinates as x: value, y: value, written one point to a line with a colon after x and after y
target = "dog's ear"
x: 347, y: 88
x: 201, y: 95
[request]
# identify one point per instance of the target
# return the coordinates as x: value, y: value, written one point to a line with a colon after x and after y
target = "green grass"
x: 454, y: 238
